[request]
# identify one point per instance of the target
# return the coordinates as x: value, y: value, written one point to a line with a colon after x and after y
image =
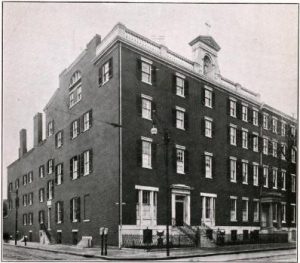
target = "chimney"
x: 37, y: 129
x: 23, y: 143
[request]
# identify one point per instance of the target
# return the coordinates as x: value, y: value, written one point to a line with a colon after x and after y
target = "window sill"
x: 245, y: 221
x: 233, y: 220
x: 70, y: 107
x: 75, y: 221
x: 206, y: 177
x: 231, y: 181
x: 179, y: 128
x: 59, y: 222
x: 146, y: 82
x: 86, y: 220
x: 246, y: 148
x: 265, y: 186
x: 233, y: 144
x: 255, y: 184
x: 233, y: 116
x: 148, y: 119
x: 180, y: 172
x: 245, y: 183
x: 283, y: 189
x: 210, y: 137
x: 181, y: 96
x: 147, y: 167
x: 208, y: 106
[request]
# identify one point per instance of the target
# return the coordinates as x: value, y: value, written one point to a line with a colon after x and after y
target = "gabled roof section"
x: 208, y: 40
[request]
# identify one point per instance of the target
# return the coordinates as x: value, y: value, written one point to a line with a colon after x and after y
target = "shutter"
x: 56, y: 168
x: 174, y: 89
x: 213, y: 99
x: 213, y: 163
x: 78, y: 209
x: 153, y: 155
x: 56, y: 140
x: 53, y: 129
x: 62, y: 173
x: 71, y: 210
x: 62, y: 211
x: 270, y: 123
x: 56, y: 212
x: 279, y: 179
x: 62, y: 137
x: 250, y: 174
x: 250, y: 141
x: 186, y: 88
x: 139, y: 69
x: 100, y: 77
x: 80, y: 126
x: 186, y: 161
x: 153, y: 75
x: 203, y: 96
x: 270, y: 178
x: 110, y: 71
x: 139, y: 152
x: 91, y: 118
x: 39, y: 217
x: 81, y: 164
x: 48, y: 190
x: 139, y: 105
x: 260, y: 119
x: 260, y: 175
x: 250, y: 115
x: 47, y: 170
x: 239, y: 171
x: 228, y: 169
x: 174, y: 159
x: 71, y: 130
x: 91, y: 160
x: 238, y: 110
x: 239, y: 137
x: 52, y: 189
x: 260, y: 144
x: 202, y: 126
x: 228, y: 107
x: 213, y: 128
x: 228, y: 136
x: 174, y: 117
x: 186, y: 121
x: 202, y: 162
x: 153, y: 109
x: 71, y: 168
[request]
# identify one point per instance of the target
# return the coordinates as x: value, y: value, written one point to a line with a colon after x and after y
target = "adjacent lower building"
x: 138, y: 136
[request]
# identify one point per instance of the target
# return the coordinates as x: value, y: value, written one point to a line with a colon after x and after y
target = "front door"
x: 179, y: 213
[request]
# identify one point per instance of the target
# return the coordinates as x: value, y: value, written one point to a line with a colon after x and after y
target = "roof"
x: 208, y: 40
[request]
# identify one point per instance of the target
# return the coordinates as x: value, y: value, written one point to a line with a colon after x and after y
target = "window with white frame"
x: 274, y: 125
x: 59, y: 139
x: 245, y: 204
x: 255, y: 174
x: 275, y: 179
x: 293, y: 156
x: 274, y: 217
x: 24, y: 200
x: 87, y: 162
x: 75, y: 129
x: 179, y: 86
x: 208, y: 206
x: 41, y: 217
x: 180, y: 118
x: 245, y: 138
x: 265, y: 145
x: 30, y: 177
x: 232, y: 169
x: 30, y: 219
x: 74, y: 164
x: 293, y: 215
x: 283, y: 130
x: 283, y: 151
x: 50, y: 166
x: 75, y: 95
x: 24, y: 219
x: 87, y: 120
x: 24, y: 179
x: 147, y: 153
x: 146, y: 107
x: 50, y: 128
x: 274, y: 148
x: 59, y: 174
x: 146, y: 72
x: 208, y: 127
x: 42, y: 171
x: 50, y: 190
x: 283, y: 179
x: 293, y: 130
x: 208, y: 164
x: 265, y: 121
x: 233, y: 135
x: 266, y: 176
x: 283, y: 212
x: 208, y: 98
x: 30, y: 198
x: 75, y: 209
x: 233, y: 200
x: 105, y: 72
x: 255, y: 117
x: 245, y: 171
x: 232, y: 105
x: 244, y: 113
x: 42, y: 195
x: 59, y: 212
x: 255, y: 142
x: 180, y: 159
x: 255, y: 210
x: 293, y: 183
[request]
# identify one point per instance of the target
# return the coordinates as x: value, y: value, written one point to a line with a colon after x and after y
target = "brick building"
x: 232, y: 159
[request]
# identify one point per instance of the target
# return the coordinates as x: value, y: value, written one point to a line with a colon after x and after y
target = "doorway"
x: 179, y: 210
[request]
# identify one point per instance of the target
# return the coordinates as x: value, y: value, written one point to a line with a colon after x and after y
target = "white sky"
x: 258, y: 49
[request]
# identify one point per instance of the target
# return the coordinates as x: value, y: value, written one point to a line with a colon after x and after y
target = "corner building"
x: 231, y: 158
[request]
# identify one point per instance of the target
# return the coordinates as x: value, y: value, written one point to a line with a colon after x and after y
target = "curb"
x: 157, y: 258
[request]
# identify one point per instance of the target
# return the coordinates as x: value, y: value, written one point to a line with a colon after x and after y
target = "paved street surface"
x: 267, y: 256
x: 18, y: 253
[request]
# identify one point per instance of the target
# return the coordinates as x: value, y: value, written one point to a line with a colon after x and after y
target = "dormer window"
x: 75, y: 89
x: 207, y: 65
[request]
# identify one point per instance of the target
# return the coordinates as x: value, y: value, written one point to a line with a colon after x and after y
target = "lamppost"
x: 166, y: 139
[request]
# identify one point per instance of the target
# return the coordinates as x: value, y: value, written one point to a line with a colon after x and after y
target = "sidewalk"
x: 157, y: 254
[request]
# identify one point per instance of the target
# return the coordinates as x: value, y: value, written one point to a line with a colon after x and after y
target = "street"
x: 267, y: 256
x: 18, y: 253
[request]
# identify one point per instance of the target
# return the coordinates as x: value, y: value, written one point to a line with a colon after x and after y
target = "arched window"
x: 75, y: 89
x: 207, y: 65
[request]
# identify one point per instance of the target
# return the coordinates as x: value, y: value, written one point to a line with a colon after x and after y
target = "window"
x: 10, y: 187
x: 17, y: 183
x: 293, y: 213
x: 208, y: 127
x: 244, y: 113
x: 30, y: 219
x: 147, y: 153
x: 245, y: 208
x: 75, y: 96
x: 86, y: 207
x: 255, y: 210
x: 146, y: 107
x: 283, y: 179
x: 75, y: 129
x: 266, y: 176
x: 50, y: 128
x: 24, y: 179
x: 255, y: 142
x: 180, y: 159
x: 50, y: 165
x: 274, y: 125
x: 50, y: 190
x: 265, y: 146
x: 41, y: 217
x: 10, y: 204
x: 245, y: 171
x: 255, y: 174
x: 208, y: 165
x: 59, y: 174
x: 180, y: 114
x: 30, y: 177
x: 87, y: 120
x: 283, y: 130
x: 87, y: 162
x: 245, y: 139
x: 30, y: 198
x: 74, y: 167
x: 208, y: 98
x: 59, y: 211
x: 42, y: 171
x: 255, y: 117
x: 274, y: 148
x: 59, y: 139
x: 293, y: 156
x: 75, y: 209
x: 105, y: 72
x: 24, y: 219
x: 283, y: 151
x: 293, y: 183
x: 232, y: 106
x: 274, y: 217
x: 42, y: 195
x: 180, y: 86
x: 233, y: 169
x: 265, y: 121
x: 233, y: 208
x: 275, y: 181
x: 24, y: 200
x: 146, y: 72
x: 283, y: 212
x: 293, y: 130
x: 233, y: 135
